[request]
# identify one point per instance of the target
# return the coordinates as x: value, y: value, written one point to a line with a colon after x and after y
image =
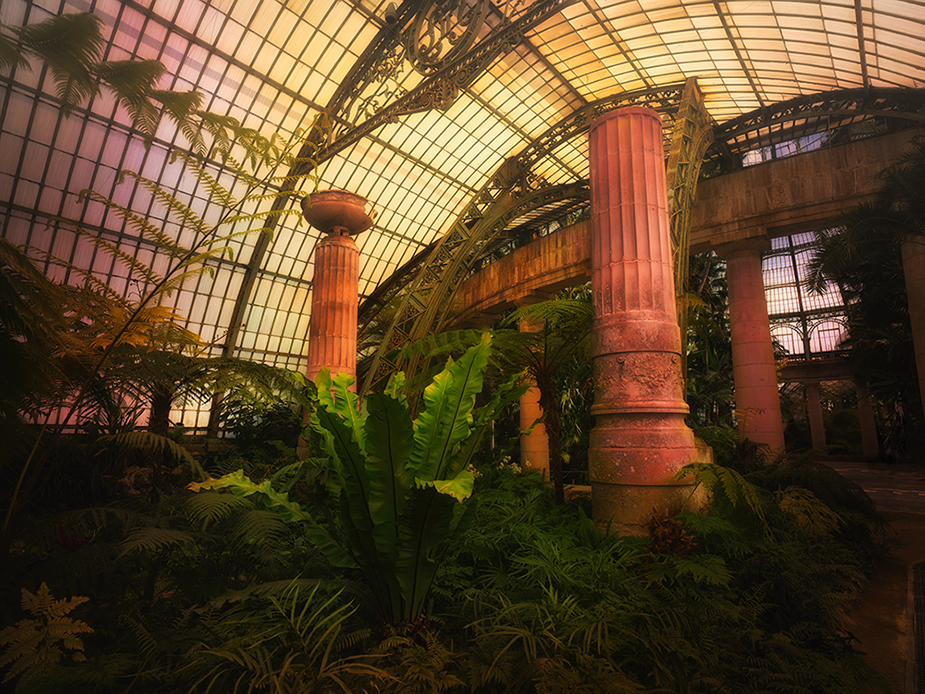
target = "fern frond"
x: 133, y: 81
x: 241, y: 173
x: 213, y: 507
x: 139, y: 224
x: 174, y: 283
x: 259, y: 526
x: 178, y: 209
x: 265, y: 214
x: 238, y: 234
x: 10, y: 55
x: 216, y: 189
x: 275, y: 195
x: 181, y: 108
x: 153, y: 540
x: 808, y: 511
x: 133, y: 264
x: 146, y: 440
x: 86, y: 275
x: 69, y: 44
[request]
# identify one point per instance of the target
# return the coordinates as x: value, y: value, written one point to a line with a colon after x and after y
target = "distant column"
x: 754, y: 373
x: 869, y: 443
x: 639, y: 440
x: 913, y: 250
x: 814, y: 410
x: 332, y: 333
x: 534, y: 447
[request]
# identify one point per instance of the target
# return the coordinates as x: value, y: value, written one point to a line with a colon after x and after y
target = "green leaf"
x: 460, y: 487
x: 447, y: 416
x: 390, y: 436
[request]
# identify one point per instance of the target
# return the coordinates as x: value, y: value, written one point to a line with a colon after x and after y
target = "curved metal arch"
x: 426, y: 302
x: 337, y: 132
x: 810, y: 114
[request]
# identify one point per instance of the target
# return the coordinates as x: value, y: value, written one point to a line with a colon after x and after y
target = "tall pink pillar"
x: 639, y: 440
x: 332, y: 333
x: 753, y: 368
x: 534, y: 447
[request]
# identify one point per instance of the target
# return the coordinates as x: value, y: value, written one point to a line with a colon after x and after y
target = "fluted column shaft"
x: 332, y: 334
x: 753, y: 369
x: 534, y: 447
x: 640, y: 440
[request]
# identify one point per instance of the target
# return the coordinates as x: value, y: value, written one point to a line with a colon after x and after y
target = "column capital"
x: 752, y: 244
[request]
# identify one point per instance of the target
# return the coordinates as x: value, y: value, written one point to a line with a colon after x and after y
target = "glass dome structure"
x: 459, y: 120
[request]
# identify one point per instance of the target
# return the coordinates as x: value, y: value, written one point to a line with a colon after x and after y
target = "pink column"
x: 332, y: 333
x: 639, y: 440
x: 757, y: 398
x: 534, y: 447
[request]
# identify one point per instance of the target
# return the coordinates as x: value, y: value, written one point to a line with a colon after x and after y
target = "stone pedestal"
x: 639, y: 440
x: 754, y: 372
x: 332, y: 333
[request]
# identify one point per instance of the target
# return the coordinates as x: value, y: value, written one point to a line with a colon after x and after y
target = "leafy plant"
x: 37, y: 645
x: 298, y: 641
x: 403, y: 486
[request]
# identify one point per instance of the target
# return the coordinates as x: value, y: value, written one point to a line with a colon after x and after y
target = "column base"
x: 633, y: 466
x: 628, y: 508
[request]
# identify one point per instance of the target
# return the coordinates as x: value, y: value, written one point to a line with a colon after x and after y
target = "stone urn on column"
x: 640, y: 440
x: 332, y: 333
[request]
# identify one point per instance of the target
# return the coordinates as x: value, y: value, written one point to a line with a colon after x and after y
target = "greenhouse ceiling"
x: 427, y: 102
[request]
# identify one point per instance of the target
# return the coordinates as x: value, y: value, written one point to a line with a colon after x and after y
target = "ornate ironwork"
x: 810, y: 114
x: 443, y: 86
x: 692, y: 134
x: 427, y: 299
x: 442, y: 32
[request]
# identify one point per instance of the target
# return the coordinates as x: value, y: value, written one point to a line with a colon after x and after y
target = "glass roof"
x: 428, y: 100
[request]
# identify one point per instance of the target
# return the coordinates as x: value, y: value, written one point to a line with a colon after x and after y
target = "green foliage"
x: 402, y: 486
x: 34, y: 646
x: 293, y: 642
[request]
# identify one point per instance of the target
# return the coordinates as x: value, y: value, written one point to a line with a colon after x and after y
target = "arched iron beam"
x: 817, y: 112
x: 427, y: 300
x: 437, y: 91
x: 361, y: 74
x: 441, y: 90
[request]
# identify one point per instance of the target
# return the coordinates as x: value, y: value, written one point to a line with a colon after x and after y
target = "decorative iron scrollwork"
x: 443, y: 31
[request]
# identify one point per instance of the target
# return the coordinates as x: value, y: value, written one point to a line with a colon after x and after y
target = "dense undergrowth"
x: 194, y: 592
